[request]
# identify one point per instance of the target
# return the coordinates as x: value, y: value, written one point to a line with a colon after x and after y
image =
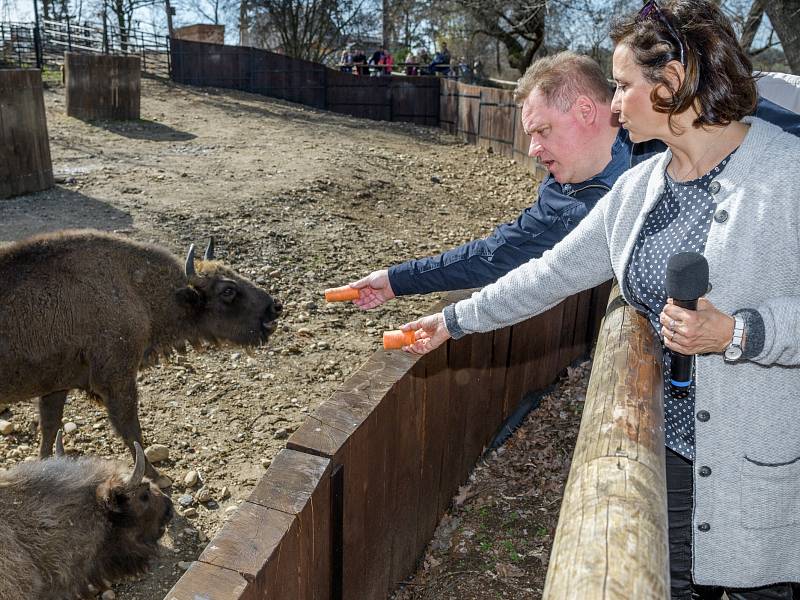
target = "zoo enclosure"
x: 479, y: 115
x: 347, y: 508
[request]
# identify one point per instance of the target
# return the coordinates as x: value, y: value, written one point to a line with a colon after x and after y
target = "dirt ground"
x: 298, y: 200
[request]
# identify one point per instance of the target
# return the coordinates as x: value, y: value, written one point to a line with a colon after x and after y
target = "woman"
x: 728, y: 187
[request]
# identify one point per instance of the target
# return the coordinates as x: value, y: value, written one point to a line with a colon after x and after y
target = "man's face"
x: 557, y: 139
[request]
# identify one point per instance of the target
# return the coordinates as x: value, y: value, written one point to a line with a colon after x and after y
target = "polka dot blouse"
x: 679, y: 222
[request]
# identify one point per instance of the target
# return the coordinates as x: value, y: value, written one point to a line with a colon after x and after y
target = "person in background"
x: 346, y: 62
x: 360, y: 61
x: 387, y: 61
x: 727, y: 187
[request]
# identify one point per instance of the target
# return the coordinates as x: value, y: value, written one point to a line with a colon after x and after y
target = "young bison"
x: 87, y: 310
x: 66, y: 524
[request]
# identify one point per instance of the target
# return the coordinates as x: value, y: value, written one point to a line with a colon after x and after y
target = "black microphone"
x: 687, y: 280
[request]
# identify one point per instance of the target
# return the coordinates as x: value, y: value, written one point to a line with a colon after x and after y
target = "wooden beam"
x: 611, y: 541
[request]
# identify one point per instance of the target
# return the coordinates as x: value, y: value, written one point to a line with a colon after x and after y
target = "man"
x: 566, y: 111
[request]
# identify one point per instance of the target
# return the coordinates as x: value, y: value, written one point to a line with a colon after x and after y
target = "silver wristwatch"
x: 734, y: 350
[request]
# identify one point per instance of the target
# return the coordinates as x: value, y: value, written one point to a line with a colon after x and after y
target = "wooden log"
x: 102, y: 86
x: 611, y: 541
x: 25, y: 164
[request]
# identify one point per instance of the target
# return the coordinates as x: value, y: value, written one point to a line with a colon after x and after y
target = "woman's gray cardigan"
x: 751, y: 442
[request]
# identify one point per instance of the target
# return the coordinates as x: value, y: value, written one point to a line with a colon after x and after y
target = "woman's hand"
x: 696, y: 331
x: 430, y: 333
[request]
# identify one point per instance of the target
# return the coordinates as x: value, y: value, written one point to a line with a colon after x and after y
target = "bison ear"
x: 189, y: 296
x: 112, y: 493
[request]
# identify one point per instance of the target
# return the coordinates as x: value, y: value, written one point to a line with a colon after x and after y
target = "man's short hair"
x: 561, y: 78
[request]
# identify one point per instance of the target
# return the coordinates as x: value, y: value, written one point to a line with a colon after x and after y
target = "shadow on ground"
x: 57, y: 208
x: 142, y: 129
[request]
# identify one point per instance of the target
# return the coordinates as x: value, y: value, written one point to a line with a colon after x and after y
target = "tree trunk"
x: 386, y: 24
x: 752, y: 24
x: 785, y: 18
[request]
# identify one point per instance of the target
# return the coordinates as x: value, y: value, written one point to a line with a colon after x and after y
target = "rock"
x: 281, y: 434
x: 163, y: 482
x: 186, y: 500
x: 108, y: 595
x: 225, y: 493
x: 70, y: 427
x: 184, y: 565
x: 203, y: 495
x: 6, y: 427
x: 230, y: 510
x: 265, y: 462
x: 191, y: 479
x: 190, y: 513
x: 156, y: 453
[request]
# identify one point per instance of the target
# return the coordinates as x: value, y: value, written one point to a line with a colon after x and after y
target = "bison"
x: 68, y: 525
x: 87, y: 310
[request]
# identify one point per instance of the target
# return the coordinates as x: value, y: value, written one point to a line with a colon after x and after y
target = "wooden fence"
x: 611, y: 540
x: 413, y: 99
x: 346, y: 510
x: 25, y: 164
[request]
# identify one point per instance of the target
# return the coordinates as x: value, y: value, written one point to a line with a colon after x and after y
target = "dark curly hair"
x: 719, y: 80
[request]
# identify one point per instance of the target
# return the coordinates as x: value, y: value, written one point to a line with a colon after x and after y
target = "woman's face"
x: 632, y: 99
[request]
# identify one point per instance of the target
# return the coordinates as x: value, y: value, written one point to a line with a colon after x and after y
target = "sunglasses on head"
x: 651, y: 10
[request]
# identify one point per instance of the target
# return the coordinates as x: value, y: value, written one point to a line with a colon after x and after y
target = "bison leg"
x: 51, y: 411
x: 124, y: 416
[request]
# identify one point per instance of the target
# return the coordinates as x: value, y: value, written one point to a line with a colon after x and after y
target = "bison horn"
x: 190, y: 272
x: 138, y: 467
x: 209, y: 254
x: 60, y: 443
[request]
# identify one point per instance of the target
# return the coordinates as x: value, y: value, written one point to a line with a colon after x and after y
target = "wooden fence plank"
x: 102, y: 86
x: 211, y: 582
x: 25, y: 163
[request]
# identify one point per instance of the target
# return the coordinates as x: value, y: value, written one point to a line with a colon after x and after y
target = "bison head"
x: 138, y: 511
x: 226, y: 306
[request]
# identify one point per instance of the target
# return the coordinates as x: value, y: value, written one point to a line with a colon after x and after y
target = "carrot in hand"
x: 341, y: 294
x: 394, y: 340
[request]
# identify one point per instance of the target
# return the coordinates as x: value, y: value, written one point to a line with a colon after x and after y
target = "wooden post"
x: 611, y: 541
x: 102, y: 86
x: 25, y: 164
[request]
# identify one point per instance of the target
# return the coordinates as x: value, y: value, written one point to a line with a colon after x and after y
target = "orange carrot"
x: 394, y: 340
x: 341, y: 294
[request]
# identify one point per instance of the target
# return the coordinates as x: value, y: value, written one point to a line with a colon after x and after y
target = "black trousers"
x: 680, y: 473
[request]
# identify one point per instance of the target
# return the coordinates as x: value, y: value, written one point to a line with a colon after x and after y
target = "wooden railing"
x: 347, y: 509
x: 611, y: 541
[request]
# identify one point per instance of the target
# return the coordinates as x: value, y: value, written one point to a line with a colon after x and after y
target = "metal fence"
x: 18, y: 44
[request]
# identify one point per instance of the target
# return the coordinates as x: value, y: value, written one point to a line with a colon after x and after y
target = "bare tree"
x: 307, y: 29
x: 785, y: 18
x: 517, y: 24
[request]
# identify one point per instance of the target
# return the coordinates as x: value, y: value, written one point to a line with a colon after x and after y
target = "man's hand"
x: 374, y: 289
x: 431, y: 333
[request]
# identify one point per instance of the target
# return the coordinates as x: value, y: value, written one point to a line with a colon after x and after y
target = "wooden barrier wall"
x: 102, y: 86
x: 413, y: 99
x: 25, y: 164
x: 376, y: 466
x: 611, y: 540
